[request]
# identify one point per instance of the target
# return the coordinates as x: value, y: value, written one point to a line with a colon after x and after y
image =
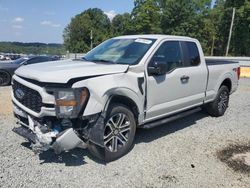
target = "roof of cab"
x: 150, y: 36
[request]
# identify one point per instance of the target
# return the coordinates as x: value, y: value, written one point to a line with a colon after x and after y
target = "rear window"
x: 191, y: 54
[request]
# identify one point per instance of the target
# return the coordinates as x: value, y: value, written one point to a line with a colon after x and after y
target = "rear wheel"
x: 219, y: 106
x: 118, y: 135
x: 4, y: 78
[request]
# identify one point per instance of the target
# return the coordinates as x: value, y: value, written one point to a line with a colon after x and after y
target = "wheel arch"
x: 228, y: 83
x: 125, y: 100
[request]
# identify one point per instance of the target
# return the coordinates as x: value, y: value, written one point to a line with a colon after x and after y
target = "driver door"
x: 167, y: 93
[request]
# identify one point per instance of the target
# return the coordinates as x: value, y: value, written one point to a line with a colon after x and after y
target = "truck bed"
x: 218, y: 70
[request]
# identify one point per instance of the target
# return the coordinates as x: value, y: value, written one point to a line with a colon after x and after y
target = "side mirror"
x: 157, y: 68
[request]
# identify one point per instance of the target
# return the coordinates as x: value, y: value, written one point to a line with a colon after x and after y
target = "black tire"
x: 219, y: 106
x: 118, y: 138
x: 5, y: 78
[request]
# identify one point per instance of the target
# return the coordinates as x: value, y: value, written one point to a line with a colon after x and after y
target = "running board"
x: 170, y: 118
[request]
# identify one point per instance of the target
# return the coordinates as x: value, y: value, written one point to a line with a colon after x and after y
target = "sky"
x: 45, y: 20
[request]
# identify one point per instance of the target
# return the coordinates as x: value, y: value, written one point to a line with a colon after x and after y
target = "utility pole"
x: 91, y: 39
x: 230, y: 32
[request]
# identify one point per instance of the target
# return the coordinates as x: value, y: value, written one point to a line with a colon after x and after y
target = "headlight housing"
x: 71, y: 102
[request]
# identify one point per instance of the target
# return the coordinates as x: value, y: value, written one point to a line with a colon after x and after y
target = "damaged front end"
x: 66, y: 130
x: 59, y: 134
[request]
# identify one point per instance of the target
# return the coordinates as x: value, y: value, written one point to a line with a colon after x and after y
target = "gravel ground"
x: 180, y: 154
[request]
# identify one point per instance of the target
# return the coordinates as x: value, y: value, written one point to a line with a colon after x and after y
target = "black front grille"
x: 27, y: 96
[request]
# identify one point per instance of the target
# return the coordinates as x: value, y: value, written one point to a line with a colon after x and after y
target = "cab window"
x: 170, y: 53
x: 191, y: 54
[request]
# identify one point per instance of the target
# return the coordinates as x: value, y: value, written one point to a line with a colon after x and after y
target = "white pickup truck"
x: 127, y: 82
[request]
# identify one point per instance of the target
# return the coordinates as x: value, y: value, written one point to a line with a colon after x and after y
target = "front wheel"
x: 219, y: 106
x: 119, y: 133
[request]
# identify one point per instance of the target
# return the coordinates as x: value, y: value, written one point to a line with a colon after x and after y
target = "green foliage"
x: 122, y: 24
x: 77, y: 33
x: 32, y: 48
x: 146, y: 17
x: 241, y: 37
x: 178, y: 17
x: 193, y: 18
x: 240, y: 43
x: 188, y: 18
x: 241, y: 32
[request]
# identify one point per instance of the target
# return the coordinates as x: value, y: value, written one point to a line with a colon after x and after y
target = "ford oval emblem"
x: 19, y: 94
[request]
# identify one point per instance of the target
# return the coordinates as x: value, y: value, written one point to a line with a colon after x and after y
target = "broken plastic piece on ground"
x: 43, y: 141
x: 39, y: 147
x: 66, y: 141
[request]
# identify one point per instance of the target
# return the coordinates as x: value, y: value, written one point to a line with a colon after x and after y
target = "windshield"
x: 120, y: 51
x: 20, y: 60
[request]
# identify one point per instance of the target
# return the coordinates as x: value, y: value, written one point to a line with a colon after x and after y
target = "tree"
x: 146, y: 17
x: 193, y: 18
x: 241, y: 33
x: 188, y: 18
x: 241, y: 37
x: 240, y: 42
x: 178, y: 17
x: 121, y: 24
x: 77, y: 33
x: 31, y: 48
x: 214, y: 18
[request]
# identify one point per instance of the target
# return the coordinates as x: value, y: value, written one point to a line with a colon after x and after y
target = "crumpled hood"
x: 63, y: 71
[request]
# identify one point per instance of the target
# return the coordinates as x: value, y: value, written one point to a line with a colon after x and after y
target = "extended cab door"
x: 184, y: 83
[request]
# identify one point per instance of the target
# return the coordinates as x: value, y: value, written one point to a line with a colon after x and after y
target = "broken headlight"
x: 70, y: 102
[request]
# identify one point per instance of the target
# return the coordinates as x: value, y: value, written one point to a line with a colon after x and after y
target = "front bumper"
x: 41, y: 140
x: 83, y: 131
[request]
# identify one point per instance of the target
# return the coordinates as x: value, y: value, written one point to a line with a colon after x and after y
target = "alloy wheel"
x: 117, y: 132
x: 223, y: 101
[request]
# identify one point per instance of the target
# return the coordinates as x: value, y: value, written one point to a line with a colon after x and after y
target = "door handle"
x: 184, y: 78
